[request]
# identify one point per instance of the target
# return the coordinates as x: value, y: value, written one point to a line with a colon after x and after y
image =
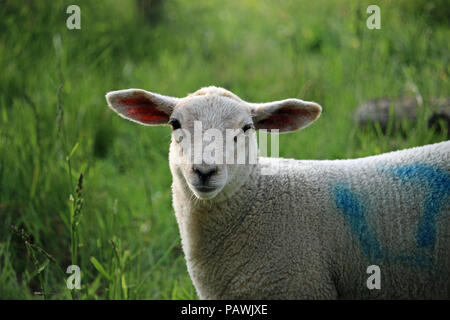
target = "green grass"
x: 118, y: 224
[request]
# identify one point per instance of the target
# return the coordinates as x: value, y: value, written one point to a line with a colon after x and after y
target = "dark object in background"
x: 152, y: 10
x: 440, y: 119
x: 378, y: 111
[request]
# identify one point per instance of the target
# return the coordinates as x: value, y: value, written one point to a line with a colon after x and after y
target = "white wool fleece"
x: 311, y: 231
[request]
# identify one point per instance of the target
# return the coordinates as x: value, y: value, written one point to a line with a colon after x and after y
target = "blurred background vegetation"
x: 79, y: 184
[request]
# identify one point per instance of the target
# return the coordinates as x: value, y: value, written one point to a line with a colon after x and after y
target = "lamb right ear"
x: 141, y: 106
x: 285, y: 115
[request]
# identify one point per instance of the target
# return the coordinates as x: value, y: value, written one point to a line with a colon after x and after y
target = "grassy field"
x: 116, y: 222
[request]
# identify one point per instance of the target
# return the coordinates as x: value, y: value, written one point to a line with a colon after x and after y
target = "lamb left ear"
x: 142, y: 106
x: 285, y: 115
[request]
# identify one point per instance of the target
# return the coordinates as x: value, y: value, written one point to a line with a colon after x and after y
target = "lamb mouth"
x: 204, y: 189
x: 205, y: 192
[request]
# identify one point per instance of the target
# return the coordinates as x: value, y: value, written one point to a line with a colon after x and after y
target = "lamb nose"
x: 205, y: 174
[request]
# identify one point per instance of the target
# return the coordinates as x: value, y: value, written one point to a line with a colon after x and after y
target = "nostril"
x: 204, y: 175
x: 211, y: 172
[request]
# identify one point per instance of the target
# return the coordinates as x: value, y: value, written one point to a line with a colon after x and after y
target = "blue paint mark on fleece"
x: 353, y: 210
x: 439, y: 183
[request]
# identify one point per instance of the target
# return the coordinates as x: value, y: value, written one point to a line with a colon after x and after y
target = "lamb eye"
x: 247, y: 127
x: 175, y: 124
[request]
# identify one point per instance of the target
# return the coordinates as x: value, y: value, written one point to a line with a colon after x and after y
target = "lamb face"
x: 209, y: 133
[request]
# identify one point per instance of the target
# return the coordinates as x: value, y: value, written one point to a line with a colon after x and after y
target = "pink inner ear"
x: 142, y: 109
x: 285, y: 119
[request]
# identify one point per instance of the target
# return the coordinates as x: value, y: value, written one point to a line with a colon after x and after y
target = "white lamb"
x: 311, y: 230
